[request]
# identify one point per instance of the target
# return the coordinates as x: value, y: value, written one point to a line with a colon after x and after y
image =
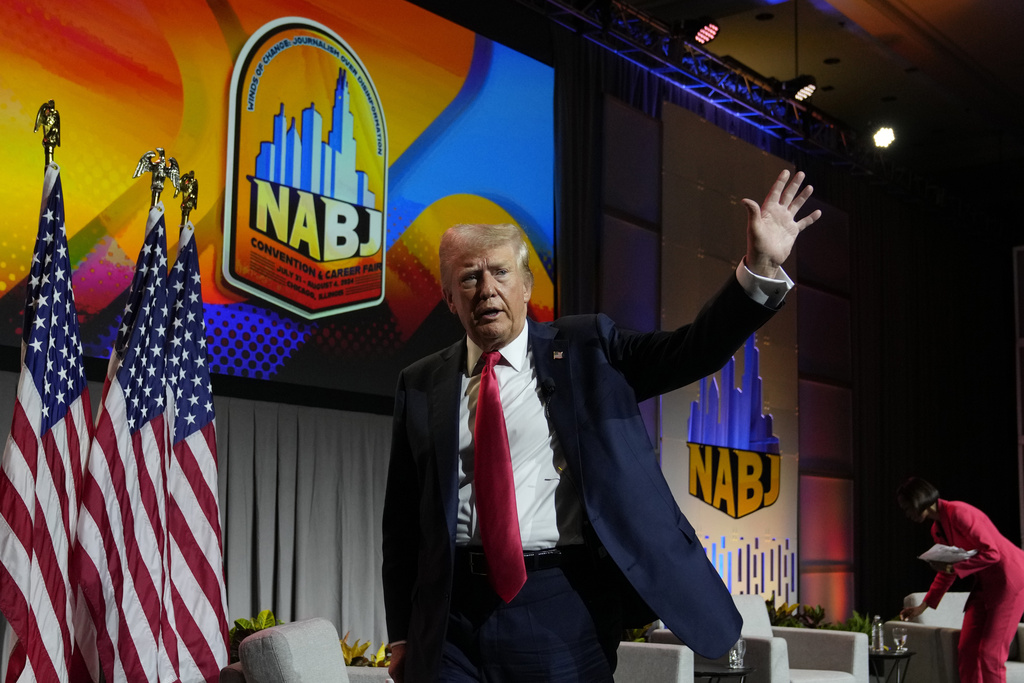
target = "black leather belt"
x: 475, y: 562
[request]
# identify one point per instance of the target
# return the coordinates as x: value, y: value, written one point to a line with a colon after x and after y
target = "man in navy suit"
x: 604, y: 544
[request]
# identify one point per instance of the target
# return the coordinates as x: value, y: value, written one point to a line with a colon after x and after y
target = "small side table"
x: 882, y: 665
x: 715, y: 673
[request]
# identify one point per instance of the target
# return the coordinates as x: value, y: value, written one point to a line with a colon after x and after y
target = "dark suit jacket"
x: 600, y: 372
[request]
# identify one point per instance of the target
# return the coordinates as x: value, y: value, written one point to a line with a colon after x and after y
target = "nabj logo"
x: 306, y: 191
x: 734, y: 457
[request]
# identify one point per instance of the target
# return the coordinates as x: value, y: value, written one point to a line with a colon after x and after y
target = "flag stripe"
x: 59, y: 490
x: 13, y: 507
x: 46, y: 653
x: 204, y: 575
x: 79, y: 437
x: 107, y: 587
x: 131, y: 532
x: 53, y: 579
x: 146, y: 461
x: 14, y: 572
x: 16, y: 664
x: 91, y: 587
x: 202, y: 656
x: 41, y: 667
x: 203, y: 490
x: 115, y: 514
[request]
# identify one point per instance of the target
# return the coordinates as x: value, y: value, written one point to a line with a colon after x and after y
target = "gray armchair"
x: 792, y: 655
x: 654, y: 663
x: 934, y: 637
x: 306, y: 651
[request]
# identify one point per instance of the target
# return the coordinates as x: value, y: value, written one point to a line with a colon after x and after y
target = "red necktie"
x: 495, y: 489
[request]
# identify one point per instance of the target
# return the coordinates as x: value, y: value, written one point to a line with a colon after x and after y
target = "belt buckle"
x: 547, y: 558
x: 477, y: 563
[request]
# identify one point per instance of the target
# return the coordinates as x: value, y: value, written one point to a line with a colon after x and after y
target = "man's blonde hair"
x: 479, y: 237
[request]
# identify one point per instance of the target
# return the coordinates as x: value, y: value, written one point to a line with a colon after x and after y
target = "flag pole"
x: 47, y: 450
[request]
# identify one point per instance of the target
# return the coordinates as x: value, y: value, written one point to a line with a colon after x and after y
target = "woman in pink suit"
x: 996, y: 602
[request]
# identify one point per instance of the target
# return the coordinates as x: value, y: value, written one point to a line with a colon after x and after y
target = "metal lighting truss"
x: 643, y: 40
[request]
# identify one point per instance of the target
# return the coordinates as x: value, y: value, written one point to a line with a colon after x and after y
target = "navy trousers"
x: 564, y: 626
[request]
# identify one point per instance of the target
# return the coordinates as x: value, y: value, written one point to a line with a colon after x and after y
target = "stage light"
x: 884, y: 137
x: 800, y: 88
x: 702, y: 30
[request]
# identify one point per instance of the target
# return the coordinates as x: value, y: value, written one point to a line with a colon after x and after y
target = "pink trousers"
x: 986, y: 636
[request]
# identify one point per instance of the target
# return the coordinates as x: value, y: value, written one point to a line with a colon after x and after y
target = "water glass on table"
x: 736, y: 654
x: 899, y: 635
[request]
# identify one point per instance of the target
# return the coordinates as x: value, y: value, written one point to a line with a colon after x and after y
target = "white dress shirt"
x: 549, y: 511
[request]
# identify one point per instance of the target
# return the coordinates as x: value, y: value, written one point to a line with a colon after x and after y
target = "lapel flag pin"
x: 557, y: 355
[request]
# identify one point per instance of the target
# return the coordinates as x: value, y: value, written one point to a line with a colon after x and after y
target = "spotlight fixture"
x: 884, y: 137
x: 703, y: 30
x: 800, y: 88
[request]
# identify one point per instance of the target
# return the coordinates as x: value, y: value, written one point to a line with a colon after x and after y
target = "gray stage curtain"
x: 302, y: 494
x: 301, y: 497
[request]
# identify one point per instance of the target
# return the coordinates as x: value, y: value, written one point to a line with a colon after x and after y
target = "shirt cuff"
x: 764, y: 290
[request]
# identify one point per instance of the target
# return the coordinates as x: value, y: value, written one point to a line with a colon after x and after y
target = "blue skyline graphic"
x: 300, y: 158
x: 732, y: 418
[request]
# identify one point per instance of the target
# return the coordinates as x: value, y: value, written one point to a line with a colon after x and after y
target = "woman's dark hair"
x: 916, y: 494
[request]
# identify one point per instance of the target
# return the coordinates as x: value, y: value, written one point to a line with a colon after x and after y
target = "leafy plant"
x: 383, y: 656
x: 811, y: 617
x: 779, y: 615
x: 355, y: 654
x: 637, y: 635
x: 814, y: 617
x: 246, y: 627
x: 858, y: 623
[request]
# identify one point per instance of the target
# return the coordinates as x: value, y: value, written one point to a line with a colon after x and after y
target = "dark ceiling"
x: 942, y: 73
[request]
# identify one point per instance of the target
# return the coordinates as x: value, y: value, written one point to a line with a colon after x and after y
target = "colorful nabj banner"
x: 333, y: 141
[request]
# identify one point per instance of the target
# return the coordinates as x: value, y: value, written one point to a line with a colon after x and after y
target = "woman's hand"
x: 911, y: 613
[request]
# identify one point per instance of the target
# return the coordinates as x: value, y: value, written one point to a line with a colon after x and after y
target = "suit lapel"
x: 444, y: 422
x: 551, y: 357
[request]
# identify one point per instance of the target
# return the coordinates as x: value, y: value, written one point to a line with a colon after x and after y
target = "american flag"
x: 123, y: 546
x: 193, y: 511
x: 43, y: 460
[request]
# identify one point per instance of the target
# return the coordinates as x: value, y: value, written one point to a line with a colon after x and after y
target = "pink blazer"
x: 998, y: 566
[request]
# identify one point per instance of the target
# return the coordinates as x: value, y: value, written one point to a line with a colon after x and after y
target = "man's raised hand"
x: 772, y: 227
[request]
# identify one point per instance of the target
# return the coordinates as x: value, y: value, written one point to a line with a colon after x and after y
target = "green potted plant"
x: 244, y: 628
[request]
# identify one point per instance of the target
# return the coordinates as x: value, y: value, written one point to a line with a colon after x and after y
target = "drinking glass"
x: 736, y: 654
x: 899, y: 634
